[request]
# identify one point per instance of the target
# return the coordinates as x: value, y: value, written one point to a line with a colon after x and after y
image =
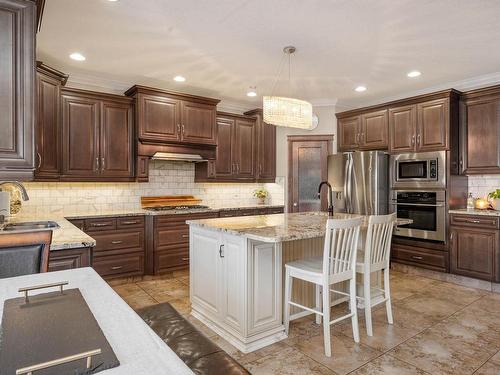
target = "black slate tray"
x: 48, y: 327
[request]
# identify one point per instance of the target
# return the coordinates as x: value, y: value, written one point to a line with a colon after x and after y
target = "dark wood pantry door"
x: 307, y: 167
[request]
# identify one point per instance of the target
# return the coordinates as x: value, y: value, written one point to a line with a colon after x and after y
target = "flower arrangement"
x: 261, y: 194
x: 494, y: 196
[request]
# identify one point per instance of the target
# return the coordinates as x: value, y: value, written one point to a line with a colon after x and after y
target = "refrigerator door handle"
x: 370, y: 184
x: 349, y: 184
x: 346, y: 178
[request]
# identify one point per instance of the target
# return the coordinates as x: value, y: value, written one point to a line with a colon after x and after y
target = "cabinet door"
x: 17, y: 88
x: 402, y: 128
x: 374, y: 130
x: 474, y: 253
x: 433, y: 125
x: 482, y: 148
x: 116, y: 140
x: 198, y: 123
x: 224, y: 163
x: 266, y: 161
x: 80, y: 124
x: 349, y: 130
x: 69, y: 259
x: 244, y: 148
x: 205, y: 270
x: 233, y: 284
x: 158, y: 118
x: 47, y: 128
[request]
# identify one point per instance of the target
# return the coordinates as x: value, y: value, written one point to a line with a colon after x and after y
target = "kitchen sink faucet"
x: 24, y: 194
x: 330, y: 196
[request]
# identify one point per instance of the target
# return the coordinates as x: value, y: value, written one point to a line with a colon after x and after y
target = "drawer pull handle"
x: 220, y: 251
x: 417, y: 257
x: 100, y: 224
x: 185, y: 236
x: 185, y: 259
x: 116, y: 242
x: 474, y: 221
x: 129, y: 222
x: 116, y: 268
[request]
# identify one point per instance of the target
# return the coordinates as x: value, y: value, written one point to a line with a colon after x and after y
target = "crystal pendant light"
x: 288, y: 112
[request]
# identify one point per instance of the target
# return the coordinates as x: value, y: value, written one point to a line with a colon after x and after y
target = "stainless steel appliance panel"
x: 337, y: 171
x: 432, y: 165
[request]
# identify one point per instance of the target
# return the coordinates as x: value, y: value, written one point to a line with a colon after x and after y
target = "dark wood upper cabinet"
x: 17, y: 89
x: 433, y: 121
x: 266, y: 148
x: 349, y: 130
x: 97, y: 136
x: 47, y: 125
x: 116, y: 147
x: 481, y: 131
x: 171, y: 117
x: 374, y: 130
x: 244, y: 149
x: 224, y: 166
x: 402, y: 128
x: 160, y: 118
x: 198, y: 123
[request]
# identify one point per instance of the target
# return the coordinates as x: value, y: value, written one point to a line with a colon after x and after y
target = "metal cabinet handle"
x: 39, y: 160
x: 100, y: 224
x: 260, y: 169
x: 129, y: 222
x: 185, y: 259
x: 96, y: 165
x: 473, y: 221
x: 116, y: 242
x: 418, y: 139
x: 178, y: 130
x: 116, y: 268
x: 417, y: 257
x: 185, y: 236
x: 102, y: 164
x: 183, y: 130
x: 412, y: 140
x: 220, y: 251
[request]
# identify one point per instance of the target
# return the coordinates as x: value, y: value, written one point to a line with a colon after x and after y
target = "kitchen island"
x: 237, y: 272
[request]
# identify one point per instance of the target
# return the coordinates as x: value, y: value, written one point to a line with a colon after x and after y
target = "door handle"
x: 220, y: 251
x: 39, y: 160
x: 412, y: 140
x: 418, y: 139
x: 102, y: 164
x: 96, y: 165
x: 178, y: 130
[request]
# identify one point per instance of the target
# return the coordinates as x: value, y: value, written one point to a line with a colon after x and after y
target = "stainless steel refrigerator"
x: 360, y: 182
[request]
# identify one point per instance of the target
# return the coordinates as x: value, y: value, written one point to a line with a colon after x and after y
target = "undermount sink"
x: 30, y: 225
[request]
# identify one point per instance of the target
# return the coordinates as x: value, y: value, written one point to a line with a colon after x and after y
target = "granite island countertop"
x: 278, y: 227
x: 465, y: 211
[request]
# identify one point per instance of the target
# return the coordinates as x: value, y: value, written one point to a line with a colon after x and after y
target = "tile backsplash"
x: 481, y: 185
x: 165, y: 178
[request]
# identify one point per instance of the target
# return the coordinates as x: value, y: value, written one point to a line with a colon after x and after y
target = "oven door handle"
x: 418, y: 204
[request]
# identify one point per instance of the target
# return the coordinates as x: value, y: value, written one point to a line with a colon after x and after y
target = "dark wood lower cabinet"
x: 433, y: 259
x: 475, y: 249
x: 68, y: 259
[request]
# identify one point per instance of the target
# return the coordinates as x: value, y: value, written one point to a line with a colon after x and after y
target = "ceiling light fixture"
x: 77, y: 56
x: 288, y: 112
x: 413, y: 74
x: 360, y: 88
x: 252, y: 92
x: 179, y: 79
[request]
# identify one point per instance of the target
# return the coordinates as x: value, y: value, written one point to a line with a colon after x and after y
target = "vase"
x: 496, y: 204
x: 261, y: 201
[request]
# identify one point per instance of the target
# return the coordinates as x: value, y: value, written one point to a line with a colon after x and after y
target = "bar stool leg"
x: 326, y: 320
x: 368, y: 304
x: 354, y: 309
x: 288, y: 298
x: 387, y: 296
x: 318, y: 302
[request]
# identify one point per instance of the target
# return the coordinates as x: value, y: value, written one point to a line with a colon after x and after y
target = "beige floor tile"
x: 288, y: 361
x: 489, y: 303
x: 165, y: 290
x: 454, y: 293
x: 404, y: 285
x: 134, y: 296
x: 182, y: 305
x: 346, y: 354
x: 429, y: 306
x: 387, y: 365
x: 491, y: 367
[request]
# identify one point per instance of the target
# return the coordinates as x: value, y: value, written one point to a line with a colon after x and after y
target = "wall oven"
x: 427, y: 209
x: 419, y: 170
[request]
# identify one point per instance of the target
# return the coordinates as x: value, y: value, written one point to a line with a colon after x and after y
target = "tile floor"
x: 439, y: 328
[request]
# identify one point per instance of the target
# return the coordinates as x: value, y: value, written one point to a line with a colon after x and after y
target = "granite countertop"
x: 67, y: 236
x: 278, y: 228
x: 465, y: 211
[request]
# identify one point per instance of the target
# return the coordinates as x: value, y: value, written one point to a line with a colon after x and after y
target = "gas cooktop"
x: 180, y: 208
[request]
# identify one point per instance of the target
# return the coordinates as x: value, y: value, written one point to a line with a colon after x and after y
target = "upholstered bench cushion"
x: 197, y: 351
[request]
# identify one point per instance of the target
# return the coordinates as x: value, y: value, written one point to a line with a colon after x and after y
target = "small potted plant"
x: 261, y: 194
x: 494, y: 197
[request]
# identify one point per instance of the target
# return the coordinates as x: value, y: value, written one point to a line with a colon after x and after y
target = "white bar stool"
x: 375, y: 258
x: 337, y: 264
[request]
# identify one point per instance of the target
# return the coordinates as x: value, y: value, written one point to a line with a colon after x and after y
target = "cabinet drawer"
x: 118, y: 242
x: 432, y: 259
x: 168, y: 260
x: 166, y: 237
x: 92, y: 225
x: 121, y: 265
x: 179, y: 220
x: 475, y: 221
x: 277, y: 210
x: 130, y: 222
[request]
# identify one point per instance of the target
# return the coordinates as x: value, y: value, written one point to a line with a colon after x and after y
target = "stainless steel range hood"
x: 171, y: 156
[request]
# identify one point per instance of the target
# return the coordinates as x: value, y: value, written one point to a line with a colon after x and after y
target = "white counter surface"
x: 139, y: 350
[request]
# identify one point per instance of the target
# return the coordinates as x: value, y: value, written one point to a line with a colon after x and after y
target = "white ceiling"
x: 224, y: 46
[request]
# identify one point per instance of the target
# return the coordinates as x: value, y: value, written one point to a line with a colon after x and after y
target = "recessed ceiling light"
x: 112, y: 1
x: 252, y: 92
x: 179, y: 79
x: 360, y: 88
x: 414, y: 73
x: 77, y: 56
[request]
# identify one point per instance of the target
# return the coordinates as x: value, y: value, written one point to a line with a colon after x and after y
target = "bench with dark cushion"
x: 200, y: 354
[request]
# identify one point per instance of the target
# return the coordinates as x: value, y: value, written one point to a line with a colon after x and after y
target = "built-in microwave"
x: 419, y: 170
